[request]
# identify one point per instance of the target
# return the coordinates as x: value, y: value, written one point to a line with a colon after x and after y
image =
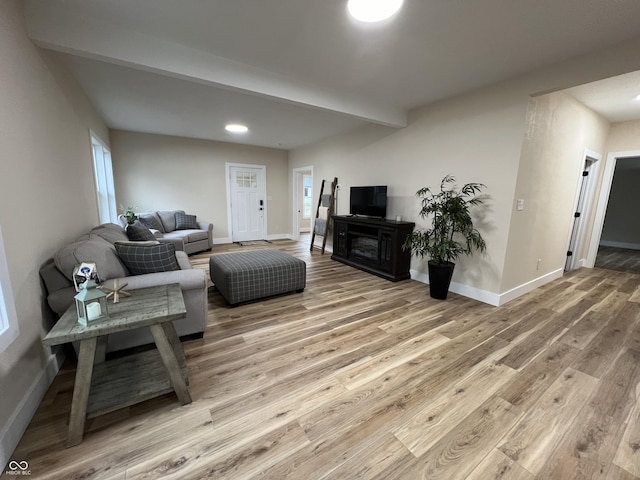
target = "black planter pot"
x: 440, y: 278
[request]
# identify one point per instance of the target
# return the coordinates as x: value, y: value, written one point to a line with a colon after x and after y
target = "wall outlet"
x: 520, y: 204
x: 538, y: 264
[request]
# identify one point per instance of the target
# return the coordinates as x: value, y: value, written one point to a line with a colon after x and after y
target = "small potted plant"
x: 129, y: 214
x: 451, y: 233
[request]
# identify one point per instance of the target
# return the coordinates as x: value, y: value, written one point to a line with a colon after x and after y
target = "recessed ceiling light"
x: 637, y: 99
x: 373, y: 10
x: 236, y: 128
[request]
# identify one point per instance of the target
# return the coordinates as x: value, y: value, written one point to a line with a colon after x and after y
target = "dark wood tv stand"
x: 373, y: 245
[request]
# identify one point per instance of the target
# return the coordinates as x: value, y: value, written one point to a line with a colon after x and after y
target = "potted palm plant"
x: 451, y: 233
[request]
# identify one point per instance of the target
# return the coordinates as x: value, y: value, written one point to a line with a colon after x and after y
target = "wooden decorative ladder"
x: 321, y: 226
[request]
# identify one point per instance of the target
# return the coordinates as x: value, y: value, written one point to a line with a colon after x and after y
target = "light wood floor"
x: 620, y: 259
x: 359, y: 377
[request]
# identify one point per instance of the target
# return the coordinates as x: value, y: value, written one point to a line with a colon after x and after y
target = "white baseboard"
x: 461, y: 289
x: 276, y: 236
x: 630, y: 246
x: 19, y: 420
x: 221, y: 241
x: 491, y: 298
x: 279, y: 236
x: 529, y: 286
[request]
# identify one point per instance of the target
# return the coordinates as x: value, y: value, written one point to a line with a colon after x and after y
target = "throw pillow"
x: 96, y: 250
x: 151, y: 222
x: 111, y: 232
x: 141, y: 259
x: 168, y: 219
x: 137, y: 232
x: 186, y: 222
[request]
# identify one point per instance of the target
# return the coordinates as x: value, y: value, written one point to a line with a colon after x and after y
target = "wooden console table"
x: 102, y: 387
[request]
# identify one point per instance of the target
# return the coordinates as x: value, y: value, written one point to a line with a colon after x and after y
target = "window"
x: 307, y: 193
x: 8, y: 317
x: 104, y: 181
x: 247, y: 180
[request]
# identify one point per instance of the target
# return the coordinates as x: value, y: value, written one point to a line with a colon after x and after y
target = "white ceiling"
x: 296, y: 71
x: 614, y: 98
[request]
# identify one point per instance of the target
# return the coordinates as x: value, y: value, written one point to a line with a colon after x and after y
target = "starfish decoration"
x: 116, y: 291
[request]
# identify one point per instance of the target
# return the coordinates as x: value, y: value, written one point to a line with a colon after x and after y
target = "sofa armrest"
x: 209, y: 228
x: 53, y: 279
x: 191, y: 279
x: 177, y: 242
x: 183, y: 261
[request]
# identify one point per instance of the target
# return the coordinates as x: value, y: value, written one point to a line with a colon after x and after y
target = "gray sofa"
x: 163, y: 226
x: 98, y: 246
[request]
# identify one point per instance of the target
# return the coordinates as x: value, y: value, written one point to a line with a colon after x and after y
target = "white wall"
x: 159, y: 172
x: 47, y: 196
x: 624, y: 137
x: 559, y: 129
x: 476, y: 137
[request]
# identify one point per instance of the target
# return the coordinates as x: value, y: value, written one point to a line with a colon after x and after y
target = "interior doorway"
x: 302, y: 202
x: 619, y: 247
x: 603, y: 201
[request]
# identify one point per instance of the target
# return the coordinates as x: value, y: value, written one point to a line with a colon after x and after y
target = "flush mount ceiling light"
x: 637, y: 99
x: 236, y: 128
x: 373, y: 10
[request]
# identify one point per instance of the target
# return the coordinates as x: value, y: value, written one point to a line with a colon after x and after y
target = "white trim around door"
x: 583, y: 206
x: 297, y: 174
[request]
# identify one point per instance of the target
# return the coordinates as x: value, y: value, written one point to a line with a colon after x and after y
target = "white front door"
x: 248, y: 202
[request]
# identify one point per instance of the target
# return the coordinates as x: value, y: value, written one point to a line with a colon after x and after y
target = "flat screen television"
x: 369, y: 201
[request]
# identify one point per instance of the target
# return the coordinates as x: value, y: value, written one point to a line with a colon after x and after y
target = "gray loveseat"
x: 99, y: 246
x: 176, y: 226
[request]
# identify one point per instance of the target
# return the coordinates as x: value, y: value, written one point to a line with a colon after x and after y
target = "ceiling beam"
x: 51, y: 27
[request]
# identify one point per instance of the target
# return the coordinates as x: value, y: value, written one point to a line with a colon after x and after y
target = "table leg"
x: 171, y: 363
x: 174, y: 340
x: 101, y: 349
x: 81, y: 390
x: 170, y: 332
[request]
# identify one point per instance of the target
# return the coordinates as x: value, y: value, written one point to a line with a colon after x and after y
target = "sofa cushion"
x: 186, y: 222
x: 151, y: 221
x: 97, y: 250
x: 168, y: 219
x: 137, y: 232
x: 188, y: 236
x: 141, y: 259
x: 197, y: 235
x: 111, y: 232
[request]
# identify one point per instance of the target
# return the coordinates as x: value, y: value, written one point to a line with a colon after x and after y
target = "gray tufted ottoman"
x: 246, y: 276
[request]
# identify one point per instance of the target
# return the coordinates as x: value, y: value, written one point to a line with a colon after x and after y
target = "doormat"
x: 253, y: 242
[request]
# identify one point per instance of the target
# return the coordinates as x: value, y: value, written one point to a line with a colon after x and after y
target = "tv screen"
x: 369, y: 201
